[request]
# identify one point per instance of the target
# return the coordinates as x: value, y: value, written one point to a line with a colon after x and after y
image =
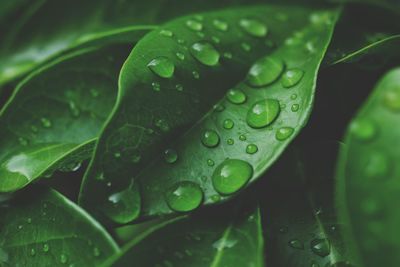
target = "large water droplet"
x: 320, y: 247
x: 170, y: 156
x: 162, y: 66
x: 184, y: 196
x: 297, y: 244
x: 124, y: 206
x: 263, y: 113
x: 220, y: 25
x: 251, y: 149
x: 292, y: 77
x: 210, y: 138
x: 391, y: 100
x: 265, y: 71
x: 254, y: 27
x: 284, y: 133
x: 231, y: 175
x: 194, y: 25
x: 228, y: 124
x: 236, y: 96
x: 363, y: 129
x: 205, y: 53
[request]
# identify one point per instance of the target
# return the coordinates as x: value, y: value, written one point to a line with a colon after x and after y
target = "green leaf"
x: 31, y: 41
x: 210, y: 239
x: 55, y: 115
x: 368, y: 177
x: 40, y: 227
x: 165, y: 135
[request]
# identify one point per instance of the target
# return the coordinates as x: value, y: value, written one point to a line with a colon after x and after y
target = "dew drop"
x: 284, y: 133
x: 378, y: 165
x: 180, y: 56
x: 33, y: 252
x: 242, y: 137
x: 166, y: 33
x: 210, y: 138
x: 246, y: 47
x: 263, y: 113
x: 46, y: 123
x: 228, y: 55
x: 296, y: 244
x: 196, y: 75
x: 96, y: 252
x: 94, y: 92
x: 265, y: 71
x: 254, y: 27
x: 236, y: 96
x: 170, y: 156
x: 220, y: 25
x: 218, y: 107
x: 23, y: 141
x: 184, y: 196
x: 293, y: 97
x: 156, y: 86
x: 46, y: 248
x: 228, y: 124
x: 210, y: 162
x: 292, y: 77
x: 391, y: 100
x: 200, y: 34
x: 251, y: 149
x: 162, y: 125
x: 295, y: 107
x: 215, y: 39
x: 194, y: 25
x: 205, y: 53
x: 320, y: 247
x: 63, y: 258
x: 363, y: 129
x: 215, y: 198
x: 162, y: 66
x: 230, y: 141
x: 231, y: 175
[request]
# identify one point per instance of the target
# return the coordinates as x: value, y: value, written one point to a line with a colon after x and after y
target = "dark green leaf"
x: 368, y: 177
x: 40, y: 227
x: 153, y: 142
x: 212, y: 238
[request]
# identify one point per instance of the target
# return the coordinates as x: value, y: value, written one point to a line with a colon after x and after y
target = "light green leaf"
x: 165, y: 136
x: 40, y: 227
x: 368, y: 177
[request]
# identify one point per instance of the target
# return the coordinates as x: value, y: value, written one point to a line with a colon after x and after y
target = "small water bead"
x: 236, y: 96
x: 215, y: 198
x: 231, y: 176
x: 166, y: 33
x: 170, y: 156
x: 215, y: 39
x: 284, y: 133
x: 265, y: 71
x: 180, y: 56
x: 34, y: 129
x: 75, y: 112
x: 310, y: 47
x: 96, y: 252
x: 156, y: 86
x: 219, y: 107
x: 184, y: 196
x: 292, y: 77
x: 251, y: 149
x: 296, y: 244
x: 46, y: 248
x: 230, y: 141
x: 210, y: 162
x: 33, y: 252
x: 210, y: 138
x: 228, y: 124
x: 220, y: 25
x: 23, y: 141
x: 377, y: 166
x: 242, y: 137
x: 179, y: 87
x: 254, y: 27
x: 196, y: 75
x: 46, y: 123
x: 205, y: 53
x: 162, y: 125
x: 200, y: 34
x: 246, y: 47
x: 228, y: 55
x: 295, y: 107
x: 194, y: 25
x: 117, y: 155
x: 162, y: 66
x: 224, y: 243
x: 320, y: 247
x: 391, y: 100
x: 363, y: 129
x: 293, y: 97
x: 263, y: 113
x: 181, y: 41
x: 63, y: 258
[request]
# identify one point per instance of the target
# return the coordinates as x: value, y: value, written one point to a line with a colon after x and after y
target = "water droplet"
x: 210, y: 138
x: 228, y: 124
x: 94, y: 92
x: 117, y: 155
x: 34, y: 129
x: 23, y: 141
x: 242, y: 137
x: 210, y: 162
x: 363, y: 129
x: 295, y: 107
x: 170, y: 156
x: 391, y: 100
x: 310, y: 47
x: 320, y: 247
x: 292, y: 77
x: 220, y: 25
x: 284, y: 133
x: 228, y: 55
x: 63, y: 258
x: 293, y: 97
x: 162, y: 125
x: 263, y: 113
x: 218, y: 107
x: 236, y: 96
x: 231, y: 175
x: 166, y: 33
x: 46, y: 123
x: 181, y: 41
x: 184, y: 196
x: 46, y: 247
x: 124, y: 206
x: 156, y: 86
x: 215, y: 39
x: 246, y: 47
x: 20, y: 227
x: 196, y: 75
x: 33, y: 252
x: 251, y: 149
x: 194, y: 25
x: 265, y: 71
x: 75, y: 112
x: 205, y: 53
x: 230, y: 141
x: 297, y: 244
x: 162, y: 66
x: 377, y: 166
x: 96, y: 251
x: 29, y: 220
x: 200, y: 34
x: 254, y: 27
